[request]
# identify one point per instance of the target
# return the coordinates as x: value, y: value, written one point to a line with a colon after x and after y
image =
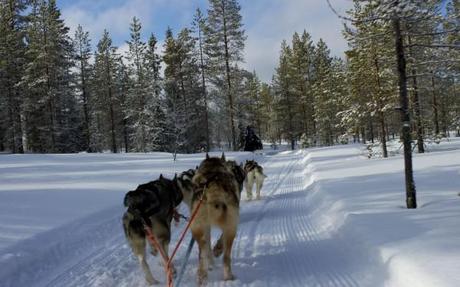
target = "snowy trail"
x: 328, y: 217
x: 279, y: 244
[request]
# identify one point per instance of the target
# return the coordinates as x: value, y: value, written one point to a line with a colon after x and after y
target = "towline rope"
x: 168, y: 261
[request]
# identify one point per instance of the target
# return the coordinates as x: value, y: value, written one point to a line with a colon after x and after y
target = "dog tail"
x: 260, y: 170
x: 132, y: 226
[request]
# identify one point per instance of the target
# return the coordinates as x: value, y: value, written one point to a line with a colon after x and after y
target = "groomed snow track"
x: 282, y: 241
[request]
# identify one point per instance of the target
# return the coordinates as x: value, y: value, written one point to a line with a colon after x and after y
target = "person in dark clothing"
x: 252, y: 142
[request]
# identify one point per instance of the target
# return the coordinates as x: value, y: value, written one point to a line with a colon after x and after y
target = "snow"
x: 327, y: 217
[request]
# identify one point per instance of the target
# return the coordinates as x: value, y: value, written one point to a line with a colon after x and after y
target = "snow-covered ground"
x: 328, y: 217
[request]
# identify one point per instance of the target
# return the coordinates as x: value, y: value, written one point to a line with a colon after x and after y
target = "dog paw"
x: 173, y: 271
x: 229, y: 277
x: 154, y: 252
x: 218, y: 249
x: 202, y: 279
x: 152, y: 281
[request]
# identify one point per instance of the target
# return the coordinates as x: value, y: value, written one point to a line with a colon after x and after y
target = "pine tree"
x: 51, y: 119
x: 183, y: 92
x: 199, y: 26
x: 82, y: 48
x: 158, y: 125
x: 268, y: 128
x: 286, y: 105
x: 323, y: 94
x: 302, y: 63
x: 370, y: 66
x: 225, y: 44
x: 12, y: 64
x: 105, y: 100
x: 141, y: 101
x: 123, y: 84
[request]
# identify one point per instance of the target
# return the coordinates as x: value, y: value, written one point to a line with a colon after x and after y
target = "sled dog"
x: 254, y: 173
x: 240, y: 175
x: 151, y: 203
x: 237, y: 171
x: 218, y: 189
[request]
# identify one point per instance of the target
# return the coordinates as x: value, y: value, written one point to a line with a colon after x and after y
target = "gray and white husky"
x: 152, y: 204
x: 254, y: 174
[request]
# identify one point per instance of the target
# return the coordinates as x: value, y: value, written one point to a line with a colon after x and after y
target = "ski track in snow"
x: 277, y: 244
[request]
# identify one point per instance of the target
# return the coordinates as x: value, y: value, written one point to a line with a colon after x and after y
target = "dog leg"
x: 219, y: 247
x: 165, y: 246
x: 210, y: 253
x: 153, y: 250
x: 249, y: 184
x: 203, y: 247
x: 229, y: 236
x: 138, y: 245
x: 259, y: 184
x: 145, y: 267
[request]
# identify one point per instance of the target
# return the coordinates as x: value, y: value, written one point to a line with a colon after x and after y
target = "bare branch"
x: 434, y: 46
x: 433, y: 33
x: 354, y: 21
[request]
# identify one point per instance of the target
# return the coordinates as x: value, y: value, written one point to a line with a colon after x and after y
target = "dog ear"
x: 125, y: 200
x: 175, y: 177
x: 161, y: 176
x: 207, y: 155
x: 198, y: 179
x: 223, y: 156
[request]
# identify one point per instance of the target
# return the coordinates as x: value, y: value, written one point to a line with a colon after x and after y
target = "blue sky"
x: 267, y: 23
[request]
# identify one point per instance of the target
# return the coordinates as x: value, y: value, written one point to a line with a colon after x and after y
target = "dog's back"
x: 219, y: 190
x: 153, y: 204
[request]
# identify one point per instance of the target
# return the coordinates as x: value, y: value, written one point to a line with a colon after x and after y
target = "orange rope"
x: 168, y: 261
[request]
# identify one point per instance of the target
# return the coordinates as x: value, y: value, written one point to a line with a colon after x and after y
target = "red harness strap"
x: 167, y: 260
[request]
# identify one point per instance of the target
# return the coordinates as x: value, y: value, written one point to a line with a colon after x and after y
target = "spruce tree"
x: 199, y: 27
x: 82, y: 48
x: 158, y: 125
x: 225, y: 44
x: 183, y: 92
x: 105, y: 100
x: 302, y: 62
x: 12, y: 64
x: 140, y: 100
x: 50, y: 102
x: 286, y: 105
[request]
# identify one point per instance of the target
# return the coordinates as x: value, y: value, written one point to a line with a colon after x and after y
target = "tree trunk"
x: 125, y: 135
x: 417, y: 110
x: 381, y: 112
x: 435, y: 106
x: 371, y: 130
x: 85, y: 108
x: 411, y: 201
x: 383, y: 136
x: 228, y: 76
x: 112, y: 111
x: 444, y: 124
x: 418, y: 114
x: 203, y: 84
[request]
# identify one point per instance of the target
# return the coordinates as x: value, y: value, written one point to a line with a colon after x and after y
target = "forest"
x: 59, y: 93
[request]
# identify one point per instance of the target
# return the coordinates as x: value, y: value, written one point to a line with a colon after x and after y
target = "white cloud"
x: 271, y: 22
x: 116, y: 19
x: 267, y: 23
